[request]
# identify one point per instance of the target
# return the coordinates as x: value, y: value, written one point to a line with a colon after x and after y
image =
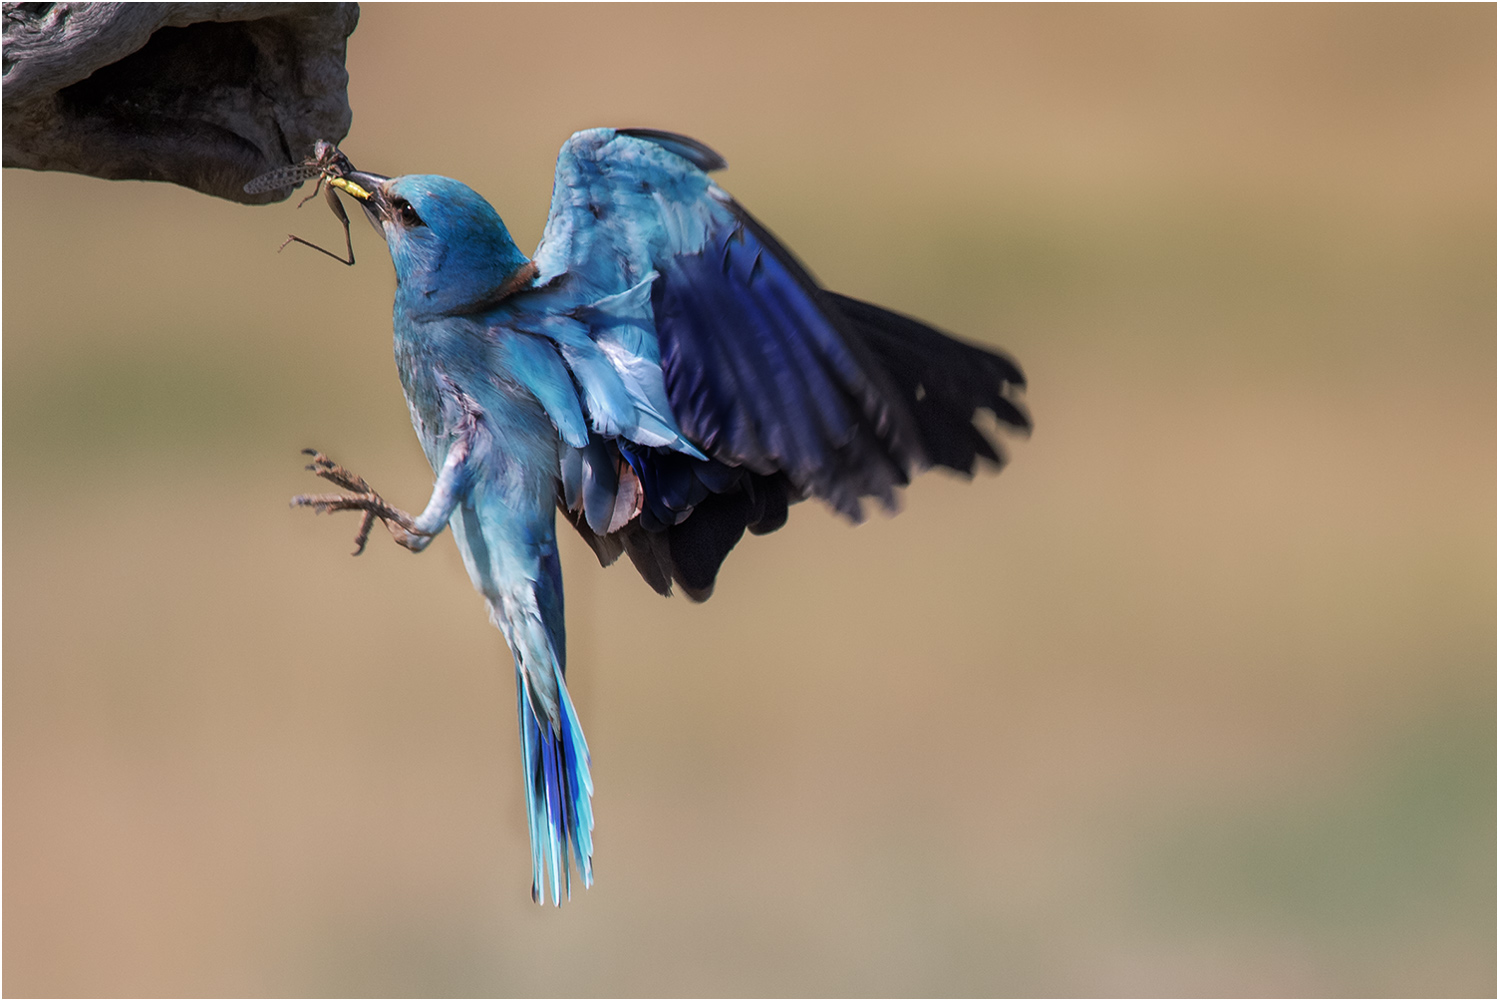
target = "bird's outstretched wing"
x: 781, y: 390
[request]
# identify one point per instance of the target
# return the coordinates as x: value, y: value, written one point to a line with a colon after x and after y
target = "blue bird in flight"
x: 665, y: 374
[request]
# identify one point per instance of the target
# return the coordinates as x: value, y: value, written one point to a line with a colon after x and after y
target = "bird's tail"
x: 513, y: 562
x: 558, y: 787
x: 527, y: 604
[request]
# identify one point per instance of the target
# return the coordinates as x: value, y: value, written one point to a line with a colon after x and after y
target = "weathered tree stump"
x: 205, y: 95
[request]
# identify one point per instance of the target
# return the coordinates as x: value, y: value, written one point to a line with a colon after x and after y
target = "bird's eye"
x: 406, y: 214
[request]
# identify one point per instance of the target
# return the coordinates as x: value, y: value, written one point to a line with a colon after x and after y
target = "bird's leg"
x: 403, y: 527
x: 413, y: 533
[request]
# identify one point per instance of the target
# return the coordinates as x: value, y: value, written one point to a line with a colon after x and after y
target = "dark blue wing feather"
x: 760, y: 375
x: 694, y: 152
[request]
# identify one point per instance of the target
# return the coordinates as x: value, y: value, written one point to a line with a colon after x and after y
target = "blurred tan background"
x: 1197, y: 698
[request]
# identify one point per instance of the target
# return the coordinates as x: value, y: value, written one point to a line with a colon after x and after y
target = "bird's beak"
x: 369, y: 190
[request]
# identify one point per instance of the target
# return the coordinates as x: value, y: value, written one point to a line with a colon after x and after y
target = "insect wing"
x: 282, y: 177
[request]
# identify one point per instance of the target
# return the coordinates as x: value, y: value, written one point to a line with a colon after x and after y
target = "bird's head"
x: 451, y: 251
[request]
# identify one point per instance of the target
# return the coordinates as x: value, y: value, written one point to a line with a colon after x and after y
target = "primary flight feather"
x: 664, y: 373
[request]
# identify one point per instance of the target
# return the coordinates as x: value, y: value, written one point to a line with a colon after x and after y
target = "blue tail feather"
x: 558, y: 788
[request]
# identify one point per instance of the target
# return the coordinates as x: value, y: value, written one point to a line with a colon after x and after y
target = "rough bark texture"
x: 206, y: 95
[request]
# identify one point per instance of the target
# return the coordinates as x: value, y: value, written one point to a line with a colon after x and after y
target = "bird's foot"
x: 402, y: 526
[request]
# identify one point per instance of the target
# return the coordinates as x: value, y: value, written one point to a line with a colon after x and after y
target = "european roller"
x: 663, y: 373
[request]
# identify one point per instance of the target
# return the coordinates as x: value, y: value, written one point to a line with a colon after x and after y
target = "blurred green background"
x: 1197, y: 698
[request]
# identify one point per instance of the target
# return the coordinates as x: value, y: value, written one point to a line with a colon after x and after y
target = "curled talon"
x: 363, y: 536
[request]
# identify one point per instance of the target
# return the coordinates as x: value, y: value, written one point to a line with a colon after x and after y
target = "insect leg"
x: 338, y: 210
x: 313, y: 194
